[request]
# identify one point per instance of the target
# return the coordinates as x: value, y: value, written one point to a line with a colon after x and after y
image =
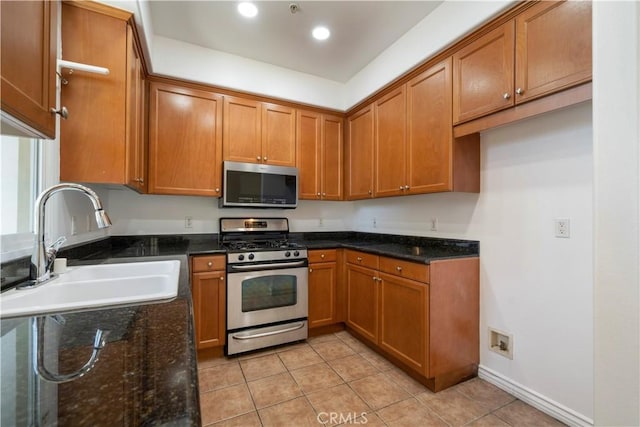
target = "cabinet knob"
x: 374, y: 278
x: 265, y: 159
x: 519, y: 91
x: 401, y: 188
x: 406, y: 187
x: 506, y: 95
x: 222, y: 278
x: 324, y: 194
x: 370, y: 192
x: 217, y: 190
x: 63, y: 112
x: 321, y: 255
x: 311, y: 270
x: 318, y: 194
x: 359, y: 259
x: 209, y: 264
x: 258, y: 158
x: 399, y: 268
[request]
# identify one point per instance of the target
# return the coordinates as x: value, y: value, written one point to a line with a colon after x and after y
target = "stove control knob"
x: 296, y: 253
x: 287, y: 254
x: 240, y: 257
x: 251, y: 256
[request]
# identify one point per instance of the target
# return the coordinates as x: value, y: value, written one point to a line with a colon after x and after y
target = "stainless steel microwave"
x: 252, y: 185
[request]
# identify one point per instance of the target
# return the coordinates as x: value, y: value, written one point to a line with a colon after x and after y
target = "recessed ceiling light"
x: 248, y: 10
x: 321, y: 33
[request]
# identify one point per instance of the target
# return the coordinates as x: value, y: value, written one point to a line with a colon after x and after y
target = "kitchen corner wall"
x: 533, y: 285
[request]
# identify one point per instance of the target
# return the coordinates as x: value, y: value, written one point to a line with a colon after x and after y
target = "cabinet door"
x: 332, y: 149
x: 322, y: 294
x: 92, y: 139
x: 29, y: 44
x: 135, y: 124
x: 483, y: 75
x: 390, y: 145
x: 553, y: 48
x: 404, y: 306
x: 242, y: 130
x: 184, y: 141
x: 209, y: 311
x: 360, y: 159
x: 309, y: 154
x: 429, y: 127
x: 278, y: 135
x: 362, y: 301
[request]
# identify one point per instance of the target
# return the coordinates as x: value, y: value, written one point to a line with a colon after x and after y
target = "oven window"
x: 261, y: 293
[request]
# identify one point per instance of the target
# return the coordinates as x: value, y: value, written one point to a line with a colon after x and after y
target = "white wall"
x: 533, y: 285
x: 133, y: 214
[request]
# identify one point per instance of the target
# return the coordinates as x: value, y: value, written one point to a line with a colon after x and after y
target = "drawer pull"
x: 209, y: 264
x: 359, y: 259
x: 399, y: 268
x: 322, y: 256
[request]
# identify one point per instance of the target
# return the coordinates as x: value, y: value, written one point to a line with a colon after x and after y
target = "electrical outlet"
x: 563, y: 228
x: 375, y: 222
x: 434, y: 224
x: 188, y: 222
x: 74, y: 225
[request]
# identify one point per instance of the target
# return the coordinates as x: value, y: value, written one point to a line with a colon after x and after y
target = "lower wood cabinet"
x: 423, y: 317
x: 323, y: 288
x: 208, y: 287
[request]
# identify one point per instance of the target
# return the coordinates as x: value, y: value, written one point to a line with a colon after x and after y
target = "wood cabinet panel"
x: 136, y: 124
x: 404, y: 306
x: 322, y: 294
x: 184, y: 141
x: 429, y: 130
x: 278, y: 135
x: 406, y: 269
x: 483, y: 74
x: 322, y: 255
x: 204, y: 263
x: 209, y: 307
x: 242, y: 130
x: 553, y: 48
x: 309, y: 154
x: 93, y: 138
x: 362, y: 259
x: 29, y: 80
x: 362, y: 301
x: 360, y: 154
x: 332, y: 157
x: 390, y: 144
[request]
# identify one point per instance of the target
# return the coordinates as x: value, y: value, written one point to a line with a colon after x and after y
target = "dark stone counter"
x: 145, y: 375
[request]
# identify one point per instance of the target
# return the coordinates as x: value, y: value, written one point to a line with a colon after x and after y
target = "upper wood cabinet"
x: 360, y: 154
x: 28, y: 37
x: 104, y: 110
x: 390, y: 144
x: 546, y: 48
x: 185, y: 141
x: 319, y: 148
x: 136, y: 157
x: 258, y: 132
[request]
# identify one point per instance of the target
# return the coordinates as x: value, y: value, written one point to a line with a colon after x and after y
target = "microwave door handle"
x: 265, y: 266
x: 267, y: 334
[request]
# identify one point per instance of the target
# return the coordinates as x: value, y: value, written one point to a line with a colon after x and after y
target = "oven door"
x: 266, y: 296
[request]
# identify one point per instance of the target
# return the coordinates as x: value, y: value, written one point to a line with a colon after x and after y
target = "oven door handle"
x: 266, y: 266
x: 267, y: 334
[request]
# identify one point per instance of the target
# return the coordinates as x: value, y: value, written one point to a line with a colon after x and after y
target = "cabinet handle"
x: 406, y: 187
x: 222, y: 278
x: 401, y: 188
x: 318, y: 194
x: 374, y: 278
x: 359, y: 259
x: 265, y: 159
x: 258, y: 158
x: 209, y: 264
x: 324, y: 194
x: 519, y: 91
x: 322, y: 256
x: 217, y: 190
x: 370, y: 192
x: 399, y: 268
x: 506, y: 95
x: 311, y: 270
x: 63, y: 112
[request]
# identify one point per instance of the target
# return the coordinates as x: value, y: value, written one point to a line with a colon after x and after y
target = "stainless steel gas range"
x: 267, y: 284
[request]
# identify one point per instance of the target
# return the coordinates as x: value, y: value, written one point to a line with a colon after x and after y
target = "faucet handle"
x: 55, y: 246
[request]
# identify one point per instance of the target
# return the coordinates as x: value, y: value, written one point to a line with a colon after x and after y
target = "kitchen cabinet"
x: 104, y: 110
x: 259, y: 132
x: 323, y: 290
x: 320, y: 158
x: 546, y: 48
x: 359, y: 162
x: 185, y: 141
x: 208, y: 288
x: 136, y: 157
x: 424, y: 317
x: 28, y: 35
x: 390, y: 155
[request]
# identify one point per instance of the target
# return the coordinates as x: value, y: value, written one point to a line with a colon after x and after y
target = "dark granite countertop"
x: 145, y: 375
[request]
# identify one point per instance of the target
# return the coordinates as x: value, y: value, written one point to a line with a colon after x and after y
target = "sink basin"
x: 92, y: 286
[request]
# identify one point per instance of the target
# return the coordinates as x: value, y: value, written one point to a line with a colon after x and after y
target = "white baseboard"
x: 535, y: 399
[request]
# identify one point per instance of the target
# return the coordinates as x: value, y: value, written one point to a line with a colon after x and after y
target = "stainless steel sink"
x: 94, y: 286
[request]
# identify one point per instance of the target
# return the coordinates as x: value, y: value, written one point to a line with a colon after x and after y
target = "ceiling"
x: 360, y: 30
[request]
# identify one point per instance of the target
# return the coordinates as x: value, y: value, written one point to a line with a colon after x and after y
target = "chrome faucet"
x: 43, y: 257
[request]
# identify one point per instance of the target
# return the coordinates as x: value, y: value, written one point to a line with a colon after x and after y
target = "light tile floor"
x: 335, y: 379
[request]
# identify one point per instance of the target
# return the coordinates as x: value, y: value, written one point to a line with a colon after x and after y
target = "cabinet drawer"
x: 322, y: 255
x: 410, y: 270
x: 363, y: 259
x: 207, y: 263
